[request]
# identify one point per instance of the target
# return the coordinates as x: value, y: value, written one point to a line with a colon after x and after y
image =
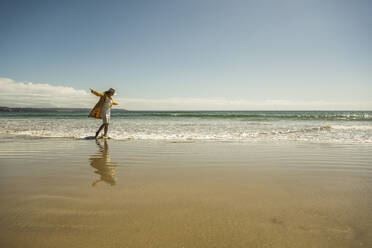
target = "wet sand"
x: 79, y: 193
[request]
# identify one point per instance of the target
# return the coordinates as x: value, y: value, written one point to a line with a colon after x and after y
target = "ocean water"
x: 305, y: 126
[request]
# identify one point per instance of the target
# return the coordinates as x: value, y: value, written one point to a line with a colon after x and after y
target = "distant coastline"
x: 9, y: 109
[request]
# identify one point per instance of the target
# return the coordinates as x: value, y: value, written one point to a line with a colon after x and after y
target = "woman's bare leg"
x: 106, y: 129
x: 99, y: 130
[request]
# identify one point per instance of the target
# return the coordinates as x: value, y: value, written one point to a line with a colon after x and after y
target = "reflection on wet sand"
x: 104, y: 167
x: 201, y: 194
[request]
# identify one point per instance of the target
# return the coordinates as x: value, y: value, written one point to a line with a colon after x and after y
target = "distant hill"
x: 7, y: 109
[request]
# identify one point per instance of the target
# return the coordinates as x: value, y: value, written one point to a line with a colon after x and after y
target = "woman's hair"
x: 111, y: 90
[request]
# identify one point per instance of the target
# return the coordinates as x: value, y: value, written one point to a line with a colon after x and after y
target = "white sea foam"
x: 352, y: 127
x: 194, y: 129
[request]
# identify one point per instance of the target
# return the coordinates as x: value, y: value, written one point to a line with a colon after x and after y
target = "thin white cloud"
x: 20, y: 94
x: 239, y: 104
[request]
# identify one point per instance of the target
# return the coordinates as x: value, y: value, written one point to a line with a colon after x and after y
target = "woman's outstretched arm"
x: 96, y: 92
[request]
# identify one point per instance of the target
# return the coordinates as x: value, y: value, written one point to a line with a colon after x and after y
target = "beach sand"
x: 79, y: 193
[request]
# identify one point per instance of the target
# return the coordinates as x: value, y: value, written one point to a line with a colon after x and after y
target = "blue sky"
x: 292, y: 51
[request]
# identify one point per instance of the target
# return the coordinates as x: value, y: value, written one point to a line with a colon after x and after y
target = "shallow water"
x: 304, y: 126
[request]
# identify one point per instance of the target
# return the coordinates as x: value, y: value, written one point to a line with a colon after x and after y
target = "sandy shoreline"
x: 76, y: 193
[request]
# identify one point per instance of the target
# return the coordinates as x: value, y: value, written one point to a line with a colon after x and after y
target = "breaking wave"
x: 193, y: 126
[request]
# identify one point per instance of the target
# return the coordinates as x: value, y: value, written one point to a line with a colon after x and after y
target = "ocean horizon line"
x: 6, y: 109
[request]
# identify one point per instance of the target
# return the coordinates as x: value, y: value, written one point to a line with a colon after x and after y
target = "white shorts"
x: 106, y: 119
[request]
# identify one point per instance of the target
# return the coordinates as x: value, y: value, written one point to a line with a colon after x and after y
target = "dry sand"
x: 76, y: 193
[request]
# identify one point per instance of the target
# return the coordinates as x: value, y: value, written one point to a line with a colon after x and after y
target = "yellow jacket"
x: 96, y: 111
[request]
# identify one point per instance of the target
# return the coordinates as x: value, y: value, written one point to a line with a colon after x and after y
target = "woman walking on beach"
x: 102, y: 110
